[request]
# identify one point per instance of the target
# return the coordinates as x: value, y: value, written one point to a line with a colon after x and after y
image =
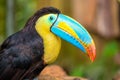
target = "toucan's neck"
x: 51, y: 42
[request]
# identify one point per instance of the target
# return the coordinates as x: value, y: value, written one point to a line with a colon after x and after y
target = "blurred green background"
x: 100, y: 17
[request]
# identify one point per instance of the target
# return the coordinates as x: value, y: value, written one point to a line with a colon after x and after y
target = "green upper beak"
x: 73, y: 32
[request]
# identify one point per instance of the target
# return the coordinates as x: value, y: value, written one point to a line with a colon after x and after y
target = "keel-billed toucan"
x: 24, y: 54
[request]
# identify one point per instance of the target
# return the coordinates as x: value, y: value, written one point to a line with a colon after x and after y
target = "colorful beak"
x: 74, y: 33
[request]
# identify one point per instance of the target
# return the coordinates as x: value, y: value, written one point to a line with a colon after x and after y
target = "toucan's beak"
x: 73, y: 32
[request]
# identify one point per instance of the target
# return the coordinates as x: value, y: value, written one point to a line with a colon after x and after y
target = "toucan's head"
x: 51, y: 20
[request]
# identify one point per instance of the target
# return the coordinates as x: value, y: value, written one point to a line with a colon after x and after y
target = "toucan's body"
x: 24, y: 54
x: 19, y: 55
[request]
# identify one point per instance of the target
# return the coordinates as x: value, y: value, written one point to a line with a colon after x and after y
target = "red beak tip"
x: 91, y: 52
x: 92, y: 59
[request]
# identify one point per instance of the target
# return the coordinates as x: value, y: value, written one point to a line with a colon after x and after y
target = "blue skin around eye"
x: 53, y: 18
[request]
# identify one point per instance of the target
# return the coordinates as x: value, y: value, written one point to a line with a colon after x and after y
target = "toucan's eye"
x: 51, y: 18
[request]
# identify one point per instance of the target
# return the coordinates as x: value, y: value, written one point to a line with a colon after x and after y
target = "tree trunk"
x: 10, y: 17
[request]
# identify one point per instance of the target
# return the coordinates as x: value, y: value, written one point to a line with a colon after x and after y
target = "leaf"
x: 110, y: 49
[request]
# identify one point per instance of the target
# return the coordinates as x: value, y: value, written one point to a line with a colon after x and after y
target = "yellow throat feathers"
x: 51, y: 42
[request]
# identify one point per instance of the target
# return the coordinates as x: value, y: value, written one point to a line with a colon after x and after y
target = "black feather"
x: 21, y: 53
x: 47, y: 10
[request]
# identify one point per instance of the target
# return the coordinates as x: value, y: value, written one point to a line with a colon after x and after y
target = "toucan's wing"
x: 12, y: 63
x: 19, y: 59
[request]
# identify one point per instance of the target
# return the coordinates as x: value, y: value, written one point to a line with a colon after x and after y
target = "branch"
x: 55, y: 72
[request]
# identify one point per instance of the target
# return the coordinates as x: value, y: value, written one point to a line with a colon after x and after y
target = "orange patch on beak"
x: 91, y: 51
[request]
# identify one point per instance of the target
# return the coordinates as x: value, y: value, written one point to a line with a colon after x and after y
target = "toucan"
x: 24, y: 54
